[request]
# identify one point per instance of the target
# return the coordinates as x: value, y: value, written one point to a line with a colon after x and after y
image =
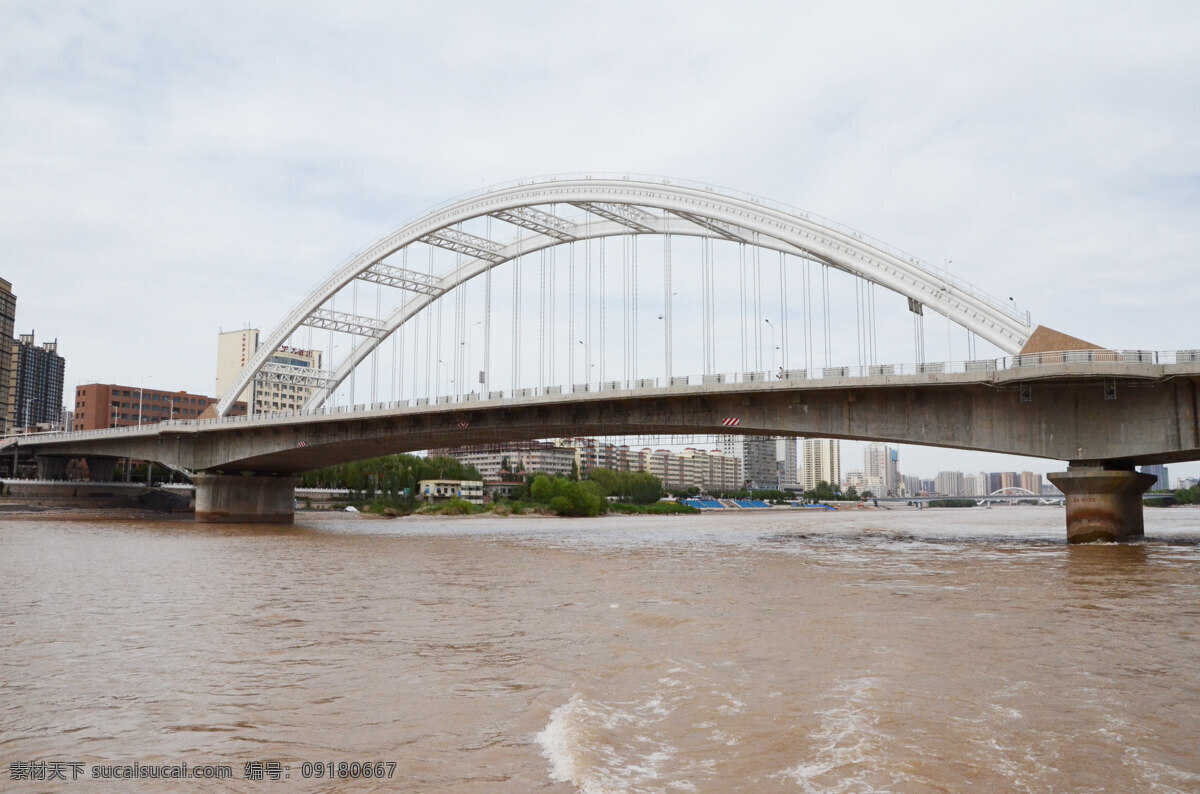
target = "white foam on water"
x: 602, y: 748
x: 846, y: 741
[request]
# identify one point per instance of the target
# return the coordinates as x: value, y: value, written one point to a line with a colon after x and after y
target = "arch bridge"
x: 1102, y: 411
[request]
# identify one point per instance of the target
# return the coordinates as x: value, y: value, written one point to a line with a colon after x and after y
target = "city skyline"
x: 244, y: 174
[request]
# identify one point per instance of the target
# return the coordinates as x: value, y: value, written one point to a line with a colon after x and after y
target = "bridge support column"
x: 231, y: 498
x: 1102, y: 504
x: 52, y: 467
x: 101, y: 469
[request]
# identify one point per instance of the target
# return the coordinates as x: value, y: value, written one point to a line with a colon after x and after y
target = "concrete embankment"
x: 18, y: 496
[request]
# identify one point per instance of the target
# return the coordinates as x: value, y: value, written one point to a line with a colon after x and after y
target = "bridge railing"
x: 970, y: 367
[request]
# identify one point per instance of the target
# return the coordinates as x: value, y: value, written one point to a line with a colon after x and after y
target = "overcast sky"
x: 171, y: 169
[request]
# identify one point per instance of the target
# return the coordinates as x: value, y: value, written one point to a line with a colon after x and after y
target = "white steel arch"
x: 619, y: 205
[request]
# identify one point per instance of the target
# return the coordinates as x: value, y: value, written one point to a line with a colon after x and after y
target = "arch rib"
x: 686, y: 210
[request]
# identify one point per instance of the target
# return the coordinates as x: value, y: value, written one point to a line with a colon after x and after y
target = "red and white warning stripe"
x: 463, y: 425
x: 302, y: 443
x: 731, y: 421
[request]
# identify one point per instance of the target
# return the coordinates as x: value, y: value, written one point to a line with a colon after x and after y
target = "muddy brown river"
x: 902, y: 650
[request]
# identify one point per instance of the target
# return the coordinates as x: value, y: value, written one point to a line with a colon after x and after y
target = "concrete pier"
x: 52, y: 467
x: 255, y: 499
x: 1103, y: 504
x: 101, y: 469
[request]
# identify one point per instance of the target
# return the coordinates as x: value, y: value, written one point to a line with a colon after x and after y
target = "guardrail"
x: 971, y: 367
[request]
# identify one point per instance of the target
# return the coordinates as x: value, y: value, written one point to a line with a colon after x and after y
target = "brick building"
x: 101, y: 405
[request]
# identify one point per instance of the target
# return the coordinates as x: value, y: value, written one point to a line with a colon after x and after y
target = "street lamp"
x: 771, y: 325
x: 141, y: 390
x: 29, y: 401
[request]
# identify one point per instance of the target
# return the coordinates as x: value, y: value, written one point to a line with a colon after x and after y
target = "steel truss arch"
x: 619, y: 207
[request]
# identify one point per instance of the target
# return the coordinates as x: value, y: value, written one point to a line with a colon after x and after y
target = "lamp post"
x: 141, y: 392
x: 771, y: 325
x: 29, y: 401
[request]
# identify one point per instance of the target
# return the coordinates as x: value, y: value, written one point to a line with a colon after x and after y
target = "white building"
x: 442, y: 490
x: 269, y: 393
x: 881, y: 469
x: 822, y: 462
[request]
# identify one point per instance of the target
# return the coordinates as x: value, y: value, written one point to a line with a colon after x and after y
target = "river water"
x: 767, y: 651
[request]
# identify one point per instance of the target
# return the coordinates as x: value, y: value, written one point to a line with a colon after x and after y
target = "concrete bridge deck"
x: 1105, y: 414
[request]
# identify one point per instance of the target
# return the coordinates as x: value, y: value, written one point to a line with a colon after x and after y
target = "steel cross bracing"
x: 726, y: 230
x: 290, y: 374
x: 402, y: 278
x: 538, y: 221
x: 626, y: 204
x: 625, y: 214
x: 462, y: 242
x: 346, y: 323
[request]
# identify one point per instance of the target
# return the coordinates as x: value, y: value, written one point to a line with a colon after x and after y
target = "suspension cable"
x: 587, y: 303
x: 758, y: 308
x: 712, y: 312
x: 516, y: 314
x: 626, y: 301
x: 783, y: 307
x: 441, y: 331
x: 487, y: 320
x: 633, y: 244
x: 742, y: 299
x: 428, y: 332
x: 603, y: 245
x: 571, y: 312
x: 704, y: 319
x: 667, y: 303
x: 553, y: 302
x: 825, y: 292
x: 542, y: 318
x: 353, y: 341
x: 375, y: 350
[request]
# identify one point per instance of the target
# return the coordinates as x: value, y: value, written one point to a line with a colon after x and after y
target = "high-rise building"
x: 35, y: 384
x: 787, y: 463
x: 972, y: 485
x: 881, y: 469
x: 234, y: 349
x: 822, y: 462
x: 949, y: 483
x: 280, y: 386
x: 8, y: 314
x: 1031, y: 481
x: 757, y: 456
x: 911, y: 484
x: 1160, y: 472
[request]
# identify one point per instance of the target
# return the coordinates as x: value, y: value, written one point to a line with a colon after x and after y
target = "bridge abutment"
x: 1102, y: 504
x: 255, y: 499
